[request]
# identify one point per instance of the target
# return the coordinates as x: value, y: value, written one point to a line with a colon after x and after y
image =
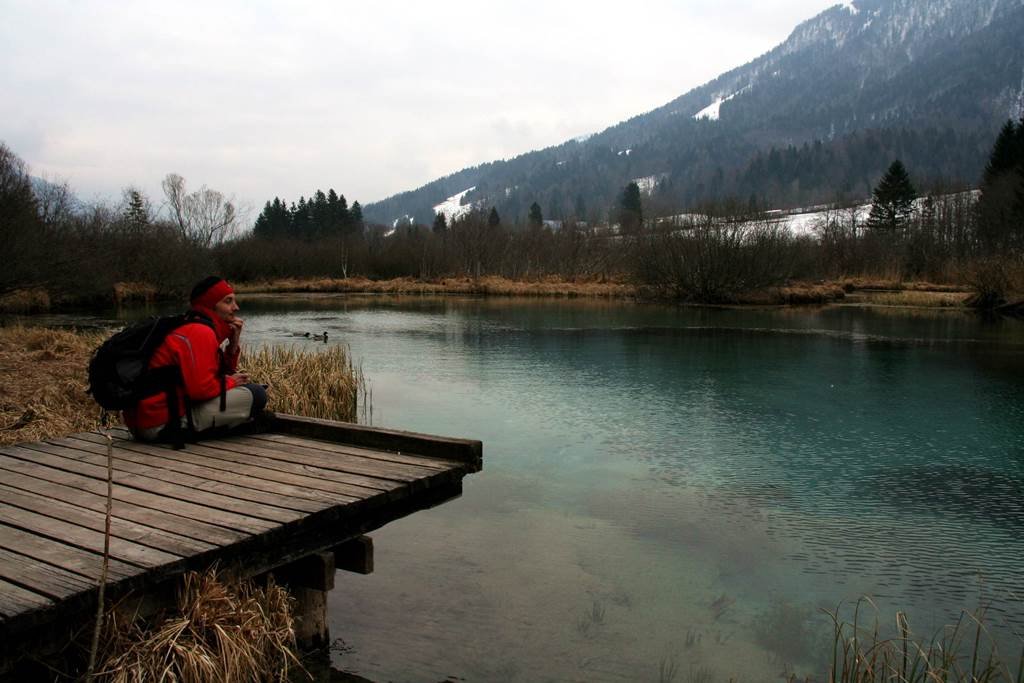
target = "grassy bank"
x: 867, y: 291
x: 43, y: 382
x: 484, y: 286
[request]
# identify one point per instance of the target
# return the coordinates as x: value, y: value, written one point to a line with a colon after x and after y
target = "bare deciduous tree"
x: 205, y: 217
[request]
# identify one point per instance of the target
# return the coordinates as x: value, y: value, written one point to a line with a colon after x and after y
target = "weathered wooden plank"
x: 228, y: 520
x: 77, y: 462
x: 335, y: 447
x: 254, y: 477
x: 59, y: 530
x: 332, y: 480
x: 96, y: 520
x: 158, y: 466
x: 307, y: 465
x: 329, y: 481
x: 394, y: 472
x: 53, y: 582
x: 94, y: 499
x: 15, y: 600
x: 59, y: 554
x: 463, y: 450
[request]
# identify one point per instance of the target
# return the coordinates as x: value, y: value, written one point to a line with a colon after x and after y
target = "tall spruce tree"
x: 355, y: 218
x: 136, y: 211
x: 440, y: 224
x: 493, y: 219
x: 892, y: 202
x: 535, y: 217
x: 1001, y: 205
x: 630, y: 214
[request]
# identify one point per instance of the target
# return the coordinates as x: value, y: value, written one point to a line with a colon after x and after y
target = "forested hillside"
x: 819, y: 117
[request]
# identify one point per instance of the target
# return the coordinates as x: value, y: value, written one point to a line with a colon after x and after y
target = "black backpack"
x: 119, y: 374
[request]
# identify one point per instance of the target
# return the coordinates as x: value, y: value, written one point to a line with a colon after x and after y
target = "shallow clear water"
x: 681, y: 487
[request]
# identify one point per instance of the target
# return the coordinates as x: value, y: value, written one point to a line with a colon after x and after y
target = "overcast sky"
x: 258, y: 99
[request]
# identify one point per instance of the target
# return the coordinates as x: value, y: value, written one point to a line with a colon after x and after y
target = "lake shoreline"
x: 796, y: 293
x: 860, y: 291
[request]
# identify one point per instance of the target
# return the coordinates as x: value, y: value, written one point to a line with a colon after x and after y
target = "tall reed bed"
x: 221, y: 631
x: 43, y: 382
x: 492, y: 285
x: 963, y: 652
x: 315, y: 383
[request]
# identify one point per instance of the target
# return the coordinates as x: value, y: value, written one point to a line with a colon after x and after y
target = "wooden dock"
x: 294, y: 490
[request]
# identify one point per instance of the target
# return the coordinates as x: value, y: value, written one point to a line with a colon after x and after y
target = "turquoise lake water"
x: 678, y: 488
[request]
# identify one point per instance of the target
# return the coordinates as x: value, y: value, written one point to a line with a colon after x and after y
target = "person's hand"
x: 240, y: 378
x: 234, y: 330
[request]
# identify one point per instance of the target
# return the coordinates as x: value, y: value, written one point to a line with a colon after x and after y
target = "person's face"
x: 226, y: 308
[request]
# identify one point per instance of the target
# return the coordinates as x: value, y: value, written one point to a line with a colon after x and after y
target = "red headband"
x: 210, y: 297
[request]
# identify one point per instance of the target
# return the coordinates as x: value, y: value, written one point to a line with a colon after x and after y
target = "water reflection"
x: 682, y: 487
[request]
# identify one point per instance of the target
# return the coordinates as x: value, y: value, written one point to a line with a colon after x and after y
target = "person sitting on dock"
x: 210, y: 392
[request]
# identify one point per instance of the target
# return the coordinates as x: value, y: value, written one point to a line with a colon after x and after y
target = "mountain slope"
x: 823, y: 113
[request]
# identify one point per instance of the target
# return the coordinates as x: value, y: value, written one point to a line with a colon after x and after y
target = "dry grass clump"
x: 794, y: 293
x: 895, y: 284
x: 489, y: 285
x: 25, y: 301
x: 127, y: 292
x: 921, y: 299
x: 43, y: 382
x: 961, y: 653
x: 221, y: 632
x: 322, y: 384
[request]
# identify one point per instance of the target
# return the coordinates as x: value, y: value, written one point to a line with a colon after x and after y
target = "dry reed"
x: 43, y: 383
x: 488, y: 285
x: 322, y: 383
x: 960, y: 653
x: 128, y: 292
x: 222, y: 631
x: 25, y: 301
x: 917, y: 298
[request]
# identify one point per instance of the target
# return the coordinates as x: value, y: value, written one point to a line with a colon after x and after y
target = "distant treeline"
x: 944, y: 233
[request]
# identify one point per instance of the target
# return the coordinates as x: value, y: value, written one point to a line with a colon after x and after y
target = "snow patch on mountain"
x: 848, y: 5
x: 648, y: 183
x: 711, y: 112
x: 453, y: 207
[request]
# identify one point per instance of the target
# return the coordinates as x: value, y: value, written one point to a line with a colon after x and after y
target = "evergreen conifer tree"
x: 535, y: 217
x: 136, y: 213
x: 261, y: 228
x: 355, y: 216
x: 892, y: 202
x: 630, y: 211
x: 1004, y: 153
x: 440, y: 224
x: 1001, y: 205
x: 493, y: 219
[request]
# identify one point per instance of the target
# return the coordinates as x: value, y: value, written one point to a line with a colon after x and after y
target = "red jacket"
x: 195, y: 348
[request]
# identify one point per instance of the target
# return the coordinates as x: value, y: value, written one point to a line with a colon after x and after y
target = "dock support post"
x: 309, y: 579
